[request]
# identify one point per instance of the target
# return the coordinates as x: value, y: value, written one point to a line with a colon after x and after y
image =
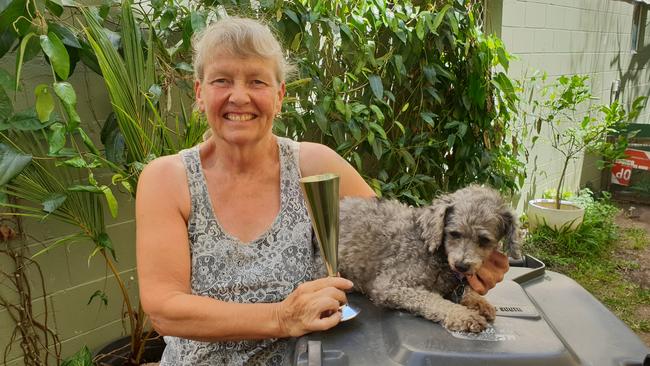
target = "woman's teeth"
x: 239, y: 117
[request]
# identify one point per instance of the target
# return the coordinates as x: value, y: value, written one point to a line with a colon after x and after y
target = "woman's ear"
x: 281, y: 93
x: 197, y: 93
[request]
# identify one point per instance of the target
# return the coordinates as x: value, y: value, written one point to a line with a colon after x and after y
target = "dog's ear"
x: 432, y: 220
x: 510, y: 233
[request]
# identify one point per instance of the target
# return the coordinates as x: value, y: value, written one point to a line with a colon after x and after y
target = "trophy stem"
x: 322, y: 198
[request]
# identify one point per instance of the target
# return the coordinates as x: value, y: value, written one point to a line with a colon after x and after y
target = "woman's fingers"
x: 328, y: 321
x: 337, y: 282
x: 334, y: 293
x: 476, y: 284
x: 491, y: 272
x: 313, y: 306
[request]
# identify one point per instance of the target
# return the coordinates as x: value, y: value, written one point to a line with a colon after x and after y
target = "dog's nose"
x: 461, y: 267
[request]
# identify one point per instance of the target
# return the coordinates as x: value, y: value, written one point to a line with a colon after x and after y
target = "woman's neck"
x: 238, y: 159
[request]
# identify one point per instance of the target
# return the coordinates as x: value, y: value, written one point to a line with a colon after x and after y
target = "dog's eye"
x: 454, y: 234
x: 483, y: 241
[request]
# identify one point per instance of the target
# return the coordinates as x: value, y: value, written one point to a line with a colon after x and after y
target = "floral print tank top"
x: 265, y: 270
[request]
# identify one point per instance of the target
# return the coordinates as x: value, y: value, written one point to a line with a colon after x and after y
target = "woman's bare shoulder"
x: 164, y: 178
x: 165, y: 170
x: 317, y: 158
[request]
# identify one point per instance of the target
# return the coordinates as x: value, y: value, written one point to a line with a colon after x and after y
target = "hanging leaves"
x: 56, y: 53
x: 68, y: 97
x: 44, y: 102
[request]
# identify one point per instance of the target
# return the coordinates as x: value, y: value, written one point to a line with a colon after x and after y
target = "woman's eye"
x: 258, y: 82
x: 219, y: 81
x: 483, y: 241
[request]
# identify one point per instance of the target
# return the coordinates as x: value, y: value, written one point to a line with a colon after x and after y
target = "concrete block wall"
x: 70, y: 277
x: 563, y: 37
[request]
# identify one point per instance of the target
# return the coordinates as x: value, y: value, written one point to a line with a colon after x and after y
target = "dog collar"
x: 459, y: 291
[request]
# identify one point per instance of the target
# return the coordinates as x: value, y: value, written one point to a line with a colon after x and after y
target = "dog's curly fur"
x: 404, y: 257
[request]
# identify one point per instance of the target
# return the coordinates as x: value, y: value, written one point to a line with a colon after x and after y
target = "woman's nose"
x: 239, y: 95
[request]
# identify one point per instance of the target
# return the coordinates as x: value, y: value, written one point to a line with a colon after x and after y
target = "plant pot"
x: 542, y: 211
x: 118, y: 351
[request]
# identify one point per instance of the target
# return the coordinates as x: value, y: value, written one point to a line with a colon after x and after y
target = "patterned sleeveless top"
x: 265, y: 270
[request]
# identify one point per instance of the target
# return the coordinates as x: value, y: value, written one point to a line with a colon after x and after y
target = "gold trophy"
x: 322, y: 198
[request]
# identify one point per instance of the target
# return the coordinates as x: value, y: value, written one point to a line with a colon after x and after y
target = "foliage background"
x: 408, y: 94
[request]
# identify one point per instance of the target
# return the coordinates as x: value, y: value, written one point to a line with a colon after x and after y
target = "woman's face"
x: 240, y: 97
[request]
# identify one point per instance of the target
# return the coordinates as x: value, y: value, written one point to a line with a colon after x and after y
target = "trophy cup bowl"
x: 322, y: 197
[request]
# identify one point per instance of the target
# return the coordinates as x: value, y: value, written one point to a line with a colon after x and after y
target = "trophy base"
x: 348, y: 312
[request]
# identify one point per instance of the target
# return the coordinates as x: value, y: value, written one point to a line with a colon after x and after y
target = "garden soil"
x: 637, y: 217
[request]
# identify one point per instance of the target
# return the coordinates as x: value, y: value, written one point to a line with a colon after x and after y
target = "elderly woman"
x: 225, y: 257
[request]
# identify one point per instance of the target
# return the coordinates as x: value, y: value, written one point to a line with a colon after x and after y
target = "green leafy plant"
x: 574, y: 124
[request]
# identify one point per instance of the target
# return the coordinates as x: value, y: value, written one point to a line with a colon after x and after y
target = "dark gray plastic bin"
x: 549, y: 320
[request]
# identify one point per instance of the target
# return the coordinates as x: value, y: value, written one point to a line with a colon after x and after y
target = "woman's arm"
x: 319, y: 159
x: 163, y: 261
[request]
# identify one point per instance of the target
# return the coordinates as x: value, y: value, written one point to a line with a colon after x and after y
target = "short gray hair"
x: 241, y: 37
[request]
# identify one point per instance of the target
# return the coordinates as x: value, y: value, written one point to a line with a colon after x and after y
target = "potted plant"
x: 575, y: 125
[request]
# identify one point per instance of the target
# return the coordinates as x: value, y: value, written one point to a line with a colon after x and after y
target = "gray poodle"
x: 415, y: 258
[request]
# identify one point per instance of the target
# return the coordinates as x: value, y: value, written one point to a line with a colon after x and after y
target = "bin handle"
x: 314, y: 353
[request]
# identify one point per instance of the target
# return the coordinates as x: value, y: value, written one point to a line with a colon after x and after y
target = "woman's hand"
x: 490, y: 273
x: 313, y: 306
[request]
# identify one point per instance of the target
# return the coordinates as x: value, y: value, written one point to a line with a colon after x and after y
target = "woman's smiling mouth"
x: 239, y: 116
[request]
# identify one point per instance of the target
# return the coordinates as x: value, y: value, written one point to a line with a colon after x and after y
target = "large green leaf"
x: 85, y: 188
x: 10, y: 11
x: 26, y: 120
x: 7, y: 39
x: 56, y: 138
x: 44, y: 102
x: 56, y: 52
x: 198, y: 21
x: 68, y: 97
x: 54, y: 7
x: 435, y: 23
x: 376, y: 86
x: 110, y: 199
x: 65, y: 34
x: 88, y: 142
x: 166, y: 19
x: 11, y: 163
x: 26, y: 45
x: 81, y: 358
x: 104, y: 241
x: 113, y: 140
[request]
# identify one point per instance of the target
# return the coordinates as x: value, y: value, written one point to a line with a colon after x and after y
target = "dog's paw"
x: 481, y: 305
x: 463, y: 319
